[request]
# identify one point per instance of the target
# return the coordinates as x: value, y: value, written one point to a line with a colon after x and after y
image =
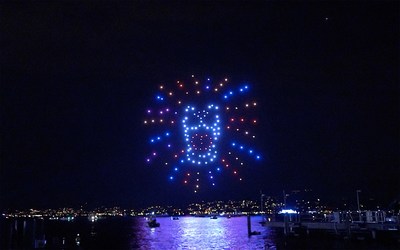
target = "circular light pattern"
x: 204, y: 127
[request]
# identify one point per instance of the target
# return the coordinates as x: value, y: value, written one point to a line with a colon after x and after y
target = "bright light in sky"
x: 194, y: 130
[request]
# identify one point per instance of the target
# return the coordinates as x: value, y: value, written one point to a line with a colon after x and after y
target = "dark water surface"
x: 185, y: 233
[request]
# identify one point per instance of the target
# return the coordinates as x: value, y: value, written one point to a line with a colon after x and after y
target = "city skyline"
x: 76, y: 79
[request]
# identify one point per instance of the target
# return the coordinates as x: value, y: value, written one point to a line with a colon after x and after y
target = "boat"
x: 175, y: 218
x: 213, y: 217
x: 153, y: 223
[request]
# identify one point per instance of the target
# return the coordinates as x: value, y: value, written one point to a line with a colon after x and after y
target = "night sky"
x: 76, y: 80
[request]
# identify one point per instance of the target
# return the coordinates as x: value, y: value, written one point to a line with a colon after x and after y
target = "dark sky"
x: 76, y: 79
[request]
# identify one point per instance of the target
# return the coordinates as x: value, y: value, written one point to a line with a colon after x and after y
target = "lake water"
x: 185, y: 233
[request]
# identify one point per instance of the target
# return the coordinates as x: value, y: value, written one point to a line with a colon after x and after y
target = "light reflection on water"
x: 201, y: 233
x: 185, y: 233
x: 134, y: 233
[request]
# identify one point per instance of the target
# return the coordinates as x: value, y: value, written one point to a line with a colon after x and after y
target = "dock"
x: 368, y: 224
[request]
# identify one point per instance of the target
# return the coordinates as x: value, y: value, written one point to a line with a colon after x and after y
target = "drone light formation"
x: 203, y: 129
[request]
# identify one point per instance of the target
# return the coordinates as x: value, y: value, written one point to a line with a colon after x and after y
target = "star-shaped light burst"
x: 202, y: 128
